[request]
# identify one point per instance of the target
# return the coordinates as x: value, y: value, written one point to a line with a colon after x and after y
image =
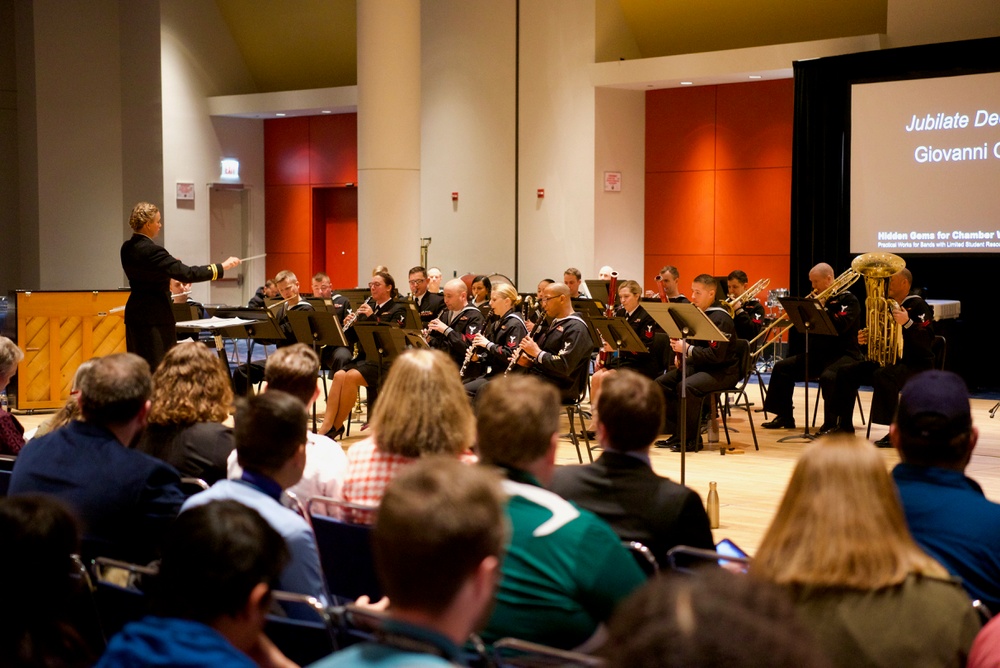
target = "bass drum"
x: 500, y: 278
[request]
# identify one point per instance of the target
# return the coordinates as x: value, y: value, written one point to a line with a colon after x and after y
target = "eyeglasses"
x: 544, y: 300
x: 376, y: 285
x: 418, y: 281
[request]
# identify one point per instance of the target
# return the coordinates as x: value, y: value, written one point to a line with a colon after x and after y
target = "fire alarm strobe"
x: 541, y: 193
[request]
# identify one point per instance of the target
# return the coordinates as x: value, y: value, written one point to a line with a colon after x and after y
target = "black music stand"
x: 619, y: 335
x: 356, y: 296
x: 381, y: 342
x: 599, y: 290
x: 316, y: 329
x: 684, y: 322
x: 809, y: 317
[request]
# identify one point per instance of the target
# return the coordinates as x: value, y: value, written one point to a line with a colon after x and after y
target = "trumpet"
x: 351, y: 317
x: 841, y: 283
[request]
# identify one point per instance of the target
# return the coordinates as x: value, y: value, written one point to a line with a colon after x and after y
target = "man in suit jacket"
x: 149, y: 320
x: 124, y: 498
x: 621, y: 487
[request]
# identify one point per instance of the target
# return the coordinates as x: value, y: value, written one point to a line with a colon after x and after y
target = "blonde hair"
x: 631, y: 286
x: 142, y: 213
x: 840, y: 524
x: 507, y: 291
x: 190, y: 386
x: 422, y: 408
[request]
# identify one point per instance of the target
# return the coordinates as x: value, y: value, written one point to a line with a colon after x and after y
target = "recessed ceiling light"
x: 279, y: 114
x: 687, y: 83
x: 327, y: 111
x: 755, y: 76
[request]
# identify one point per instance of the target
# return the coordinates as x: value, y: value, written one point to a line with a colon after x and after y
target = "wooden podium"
x: 57, y: 331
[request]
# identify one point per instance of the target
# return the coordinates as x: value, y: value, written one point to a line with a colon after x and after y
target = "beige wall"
x: 911, y: 22
x: 199, y: 61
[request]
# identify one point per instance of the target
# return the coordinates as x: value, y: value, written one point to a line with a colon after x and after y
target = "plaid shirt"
x: 369, y: 472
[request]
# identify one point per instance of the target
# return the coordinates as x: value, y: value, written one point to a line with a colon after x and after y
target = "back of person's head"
x: 516, y: 417
x: 38, y: 535
x: 189, y: 386
x: 933, y: 424
x: 840, y: 523
x: 270, y: 428
x: 213, y: 556
x: 438, y: 521
x: 10, y: 356
x: 422, y: 408
x: 630, y: 409
x: 706, y: 619
x: 293, y: 369
x: 142, y: 213
x: 115, y: 389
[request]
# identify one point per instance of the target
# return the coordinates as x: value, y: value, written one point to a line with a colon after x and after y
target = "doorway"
x: 229, y: 215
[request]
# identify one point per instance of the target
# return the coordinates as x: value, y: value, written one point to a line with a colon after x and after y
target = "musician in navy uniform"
x: 333, y: 358
x: 711, y: 366
x: 561, y: 353
x: 748, y: 315
x: 362, y: 372
x: 915, y: 317
x: 149, y: 319
x: 458, y: 324
x: 498, y: 342
x: 826, y: 353
x: 429, y: 304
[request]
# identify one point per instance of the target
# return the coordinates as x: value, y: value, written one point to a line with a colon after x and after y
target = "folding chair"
x: 118, y: 595
x: 302, y: 641
x: 643, y: 556
x: 513, y: 652
x: 574, y: 407
x: 739, y: 390
x: 345, y: 551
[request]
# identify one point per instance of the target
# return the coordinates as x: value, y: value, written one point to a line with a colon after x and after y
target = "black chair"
x: 685, y: 559
x: 738, y: 390
x: 6, y: 468
x: 513, y: 652
x: 118, y: 594
x: 574, y: 409
x: 939, y: 348
x: 302, y: 641
x: 191, y: 486
x: 345, y: 552
x: 643, y: 557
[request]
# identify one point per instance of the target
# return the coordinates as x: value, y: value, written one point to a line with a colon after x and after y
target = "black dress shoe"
x: 883, y: 442
x: 830, y: 431
x: 780, y: 422
x: 671, y: 442
x: 694, y: 446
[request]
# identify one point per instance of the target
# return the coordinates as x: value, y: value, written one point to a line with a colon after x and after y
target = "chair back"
x: 6, y: 467
x: 118, y: 595
x: 304, y: 641
x: 345, y: 553
x: 743, y: 360
x: 4, y: 482
x: 514, y: 652
x: 683, y: 558
x: 191, y: 486
x: 643, y: 557
x: 939, y: 348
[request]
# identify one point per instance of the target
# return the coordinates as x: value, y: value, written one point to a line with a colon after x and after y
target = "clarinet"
x: 351, y: 317
x: 468, y: 356
x: 539, y: 330
x: 491, y: 320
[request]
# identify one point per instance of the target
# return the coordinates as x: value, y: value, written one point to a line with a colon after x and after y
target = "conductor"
x: 149, y: 320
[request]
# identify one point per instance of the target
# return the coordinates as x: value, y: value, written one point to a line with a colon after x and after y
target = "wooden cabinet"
x: 57, y: 331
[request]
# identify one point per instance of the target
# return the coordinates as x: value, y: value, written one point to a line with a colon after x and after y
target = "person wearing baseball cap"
x: 947, y: 512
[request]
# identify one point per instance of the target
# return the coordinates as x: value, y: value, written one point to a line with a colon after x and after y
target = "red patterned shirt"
x: 369, y: 472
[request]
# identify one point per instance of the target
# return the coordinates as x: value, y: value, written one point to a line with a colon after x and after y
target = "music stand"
x: 599, y: 290
x: 381, y: 342
x: 316, y: 329
x: 809, y: 317
x: 619, y: 335
x: 356, y: 296
x: 684, y: 322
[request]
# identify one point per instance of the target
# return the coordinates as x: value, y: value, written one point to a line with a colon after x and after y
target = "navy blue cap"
x: 934, y: 404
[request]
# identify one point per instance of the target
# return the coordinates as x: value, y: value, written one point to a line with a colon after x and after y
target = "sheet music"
x: 214, y: 323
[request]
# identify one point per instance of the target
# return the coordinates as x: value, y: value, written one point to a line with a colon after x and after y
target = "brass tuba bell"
x: 885, y: 335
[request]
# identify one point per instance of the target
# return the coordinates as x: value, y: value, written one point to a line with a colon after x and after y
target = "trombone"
x: 841, y: 283
x: 748, y: 294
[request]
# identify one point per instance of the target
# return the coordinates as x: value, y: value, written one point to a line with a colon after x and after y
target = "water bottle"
x: 712, y: 507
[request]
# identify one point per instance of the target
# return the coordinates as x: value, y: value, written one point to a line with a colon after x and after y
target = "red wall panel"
x: 333, y: 149
x: 718, y: 181
x: 286, y: 151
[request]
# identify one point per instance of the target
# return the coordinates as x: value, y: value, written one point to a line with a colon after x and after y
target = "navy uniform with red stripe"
x: 462, y: 328
x: 566, y: 346
x: 711, y: 366
x: 504, y: 335
x: 749, y: 319
x: 430, y: 306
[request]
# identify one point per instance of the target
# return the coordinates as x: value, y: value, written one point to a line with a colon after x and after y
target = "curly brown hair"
x: 190, y: 386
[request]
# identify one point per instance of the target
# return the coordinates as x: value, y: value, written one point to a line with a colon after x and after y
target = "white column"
x: 388, y: 137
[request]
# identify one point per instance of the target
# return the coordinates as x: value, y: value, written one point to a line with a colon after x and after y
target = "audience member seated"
x: 565, y: 570
x: 124, y: 498
x: 438, y: 542
x: 191, y: 399
x: 621, y: 487
x: 38, y: 534
x: 271, y: 448
x: 706, y: 619
x: 860, y: 583
x: 423, y: 411
x: 293, y: 370
x: 211, y: 598
x: 70, y: 410
x: 947, y: 512
x: 11, y: 431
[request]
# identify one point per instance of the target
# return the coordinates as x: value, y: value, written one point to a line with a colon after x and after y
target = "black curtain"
x: 820, y: 225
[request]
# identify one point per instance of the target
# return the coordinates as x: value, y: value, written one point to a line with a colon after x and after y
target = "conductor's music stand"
x: 684, y: 322
x: 809, y: 317
x: 619, y: 335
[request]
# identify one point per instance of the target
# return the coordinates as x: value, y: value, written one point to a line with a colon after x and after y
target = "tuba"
x: 885, y: 335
